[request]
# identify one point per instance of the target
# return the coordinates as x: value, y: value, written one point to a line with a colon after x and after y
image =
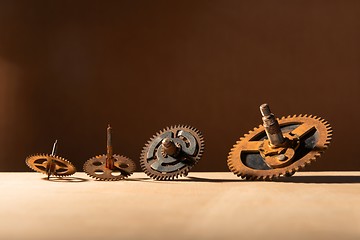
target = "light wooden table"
x: 321, y: 205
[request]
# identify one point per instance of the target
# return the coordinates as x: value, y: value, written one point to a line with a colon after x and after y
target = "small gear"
x: 95, y: 167
x: 50, y: 165
x: 279, y: 147
x: 109, y: 167
x: 172, y: 152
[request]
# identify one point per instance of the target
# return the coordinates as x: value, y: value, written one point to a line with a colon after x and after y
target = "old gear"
x: 172, y: 152
x: 279, y: 147
x: 50, y: 165
x: 109, y: 167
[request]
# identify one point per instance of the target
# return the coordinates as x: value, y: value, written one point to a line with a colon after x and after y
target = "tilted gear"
x: 172, y: 152
x: 50, y: 165
x: 279, y: 147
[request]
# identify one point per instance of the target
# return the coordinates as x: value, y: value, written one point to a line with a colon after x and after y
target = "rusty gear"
x: 123, y: 168
x: 172, y: 152
x: 109, y: 167
x: 50, y: 165
x: 306, y: 138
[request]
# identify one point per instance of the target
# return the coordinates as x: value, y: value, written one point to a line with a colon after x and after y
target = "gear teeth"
x: 326, y: 137
x: 87, y: 167
x: 32, y: 158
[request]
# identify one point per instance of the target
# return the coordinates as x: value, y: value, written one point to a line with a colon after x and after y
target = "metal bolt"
x: 281, y: 157
x: 169, y: 147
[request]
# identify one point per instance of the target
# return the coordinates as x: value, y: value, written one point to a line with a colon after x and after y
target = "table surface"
x: 310, y: 205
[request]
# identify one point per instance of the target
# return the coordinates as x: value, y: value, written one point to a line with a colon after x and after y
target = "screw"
x: 281, y: 157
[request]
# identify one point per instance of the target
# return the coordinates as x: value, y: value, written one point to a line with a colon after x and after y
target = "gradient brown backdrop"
x: 67, y: 68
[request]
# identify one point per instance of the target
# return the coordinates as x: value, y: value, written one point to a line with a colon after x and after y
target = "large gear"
x: 50, y: 164
x: 305, y: 138
x: 172, y: 152
x: 109, y: 167
x: 95, y: 167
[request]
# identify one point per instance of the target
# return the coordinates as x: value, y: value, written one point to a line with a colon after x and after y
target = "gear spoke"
x: 302, y: 130
x: 66, y: 167
x: 40, y: 164
x: 252, y: 146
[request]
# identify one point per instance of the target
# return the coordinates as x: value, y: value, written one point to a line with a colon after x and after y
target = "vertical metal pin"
x: 54, y: 149
x: 50, y: 167
x: 109, y: 149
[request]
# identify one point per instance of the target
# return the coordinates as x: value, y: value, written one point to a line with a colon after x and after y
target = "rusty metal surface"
x: 109, y: 167
x: 172, y: 152
x: 306, y: 137
x: 96, y: 168
x: 50, y: 165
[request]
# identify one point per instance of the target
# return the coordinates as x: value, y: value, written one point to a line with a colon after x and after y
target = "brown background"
x: 67, y: 68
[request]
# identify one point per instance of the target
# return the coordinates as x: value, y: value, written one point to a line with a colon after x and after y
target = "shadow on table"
x: 320, y: 179
x: 66, y: 179
x: 186, y: 179
x: 293, y: 179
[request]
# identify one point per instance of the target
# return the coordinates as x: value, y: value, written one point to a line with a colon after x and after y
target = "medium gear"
x: 109, y: 167
x: 95, y: 167
x: 280, y: 147
x: 172, y: 152
x: 50, y: 165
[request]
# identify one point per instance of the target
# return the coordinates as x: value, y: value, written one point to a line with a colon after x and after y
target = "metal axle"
x: 109, y: 149
x: 54, y: 149
x: 271, y: 126
x: 169, y: 147
x: 50, y: 168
